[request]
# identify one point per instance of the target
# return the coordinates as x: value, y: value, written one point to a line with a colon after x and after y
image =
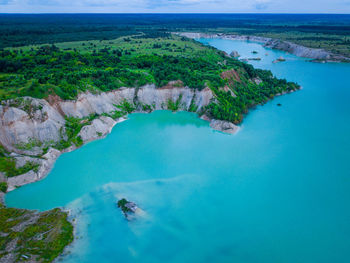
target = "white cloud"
x: 187, y: 6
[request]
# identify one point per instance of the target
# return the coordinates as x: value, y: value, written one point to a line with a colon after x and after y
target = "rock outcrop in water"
x: 295, y: 49
x: 128, y: 208
x: 28, y: 125
x: 235, y: 54
x: 280, y: 59
x: 224, y: 126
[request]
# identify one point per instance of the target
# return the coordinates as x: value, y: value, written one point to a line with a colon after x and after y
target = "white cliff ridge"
x: 42, y: 122
x: 295, y: 49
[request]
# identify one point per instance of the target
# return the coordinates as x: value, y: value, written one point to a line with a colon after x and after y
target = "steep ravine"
x: 31, y: 127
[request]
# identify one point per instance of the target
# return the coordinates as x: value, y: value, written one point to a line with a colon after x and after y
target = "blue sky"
x: 175, y: 6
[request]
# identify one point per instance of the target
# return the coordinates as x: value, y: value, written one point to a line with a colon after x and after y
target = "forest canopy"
x: 68, y: 68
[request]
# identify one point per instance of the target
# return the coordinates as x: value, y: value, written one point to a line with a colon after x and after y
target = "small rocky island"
x: 254, y: 59
x: 128, y: 208
x: 280, y: 59
x: 235, y: 54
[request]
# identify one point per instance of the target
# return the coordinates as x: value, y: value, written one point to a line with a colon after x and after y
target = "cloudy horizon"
x: 175, y: 6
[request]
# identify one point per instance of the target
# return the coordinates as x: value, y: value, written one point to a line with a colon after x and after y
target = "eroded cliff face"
x: 159, y: 98
x: 45, y: 121
x: 295, y: 49
x: 88, y: 103
x: 29, y: 125
x: 28, y: 119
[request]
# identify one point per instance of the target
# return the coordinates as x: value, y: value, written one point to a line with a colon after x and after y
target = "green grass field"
x: 170, y: 46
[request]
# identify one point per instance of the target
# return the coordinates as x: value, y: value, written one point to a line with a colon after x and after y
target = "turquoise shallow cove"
x: 278, y: 191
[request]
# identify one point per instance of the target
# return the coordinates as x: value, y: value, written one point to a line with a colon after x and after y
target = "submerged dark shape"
x: 279, y: 104
x: 128, y: 208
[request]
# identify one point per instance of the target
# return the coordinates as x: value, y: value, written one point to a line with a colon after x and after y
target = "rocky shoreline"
x: 44, y: 122
x: 318, y: 55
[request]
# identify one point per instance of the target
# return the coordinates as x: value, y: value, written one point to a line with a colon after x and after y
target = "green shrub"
x: 126, y: 106
x: 122, y: 205
x: 3, y: 187
x: 174, y: 106
x: 29, y: 145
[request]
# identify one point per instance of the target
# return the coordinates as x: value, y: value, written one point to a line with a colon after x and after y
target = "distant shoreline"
x: 316, y: 54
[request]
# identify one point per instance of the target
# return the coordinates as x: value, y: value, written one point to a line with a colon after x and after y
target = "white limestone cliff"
x: 43, y: 121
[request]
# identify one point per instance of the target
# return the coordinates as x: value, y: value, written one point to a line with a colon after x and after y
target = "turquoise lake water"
x: 277, y: 191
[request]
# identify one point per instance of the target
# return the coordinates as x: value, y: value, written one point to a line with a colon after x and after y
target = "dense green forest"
x: 133, y: 62
x: 330, y: 32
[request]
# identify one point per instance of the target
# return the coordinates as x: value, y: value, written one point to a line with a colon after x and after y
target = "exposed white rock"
x: 17, y: 181
x: 98, y: 128
x: 257, y: 80
x: 88, y: 103
x: 203, y: 98
x: 224, y: 126
x: 205, y: 117
x: 46, y: 163
x: 19, y: 127
x: 159, y: 98
x: 11, y: 115
x: 235, y: 54
x: 45, y: 122
x: 21, y: 160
